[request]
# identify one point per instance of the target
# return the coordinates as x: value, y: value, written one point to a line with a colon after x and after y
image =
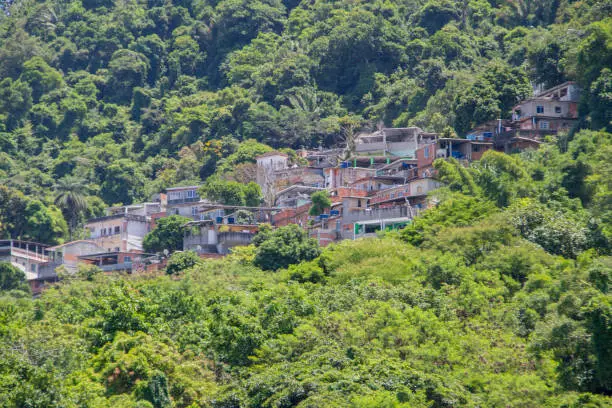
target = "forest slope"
x: 119, y: 100
x: 499, y: 296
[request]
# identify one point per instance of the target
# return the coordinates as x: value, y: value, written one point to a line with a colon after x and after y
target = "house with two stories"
x: 184, y: 201
x: 393, y: 142
x: 35, y: 260
x: 548, y: 112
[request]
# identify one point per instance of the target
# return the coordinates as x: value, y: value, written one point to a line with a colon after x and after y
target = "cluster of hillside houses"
x: 382, y: 186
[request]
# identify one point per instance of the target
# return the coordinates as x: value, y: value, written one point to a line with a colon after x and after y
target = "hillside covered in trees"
x: 120, y: 99
x: 498, y: 296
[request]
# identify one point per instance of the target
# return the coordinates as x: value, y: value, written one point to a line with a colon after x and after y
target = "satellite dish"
x: 166, y: 252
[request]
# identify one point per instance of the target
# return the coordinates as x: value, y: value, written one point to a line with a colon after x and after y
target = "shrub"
x: 283, y: 247
x: 180, y: 261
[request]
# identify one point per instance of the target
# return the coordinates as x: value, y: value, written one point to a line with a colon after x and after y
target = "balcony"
x: 128, y: 217
x: 381, y: 214
x: 185, y: 200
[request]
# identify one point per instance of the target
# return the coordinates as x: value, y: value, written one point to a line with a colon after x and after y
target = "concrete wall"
x: 370, y: 185
x: 529, y: 109
x: 72, y: 251
x: 343, y: 177
x: 266, y: 166
x: 403, y: 149
x: 228, y: 240
x: 184, y: 210
x: 201, y: 239
x: 414, y: 188
x: 366, y: 148
x: 554, y: 124
x: 477, y: 155
x: 105, y: 227
x: 376, y: 214
x: 132, y: 230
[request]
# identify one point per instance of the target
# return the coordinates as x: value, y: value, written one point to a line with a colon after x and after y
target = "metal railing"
x: 184, y: 200
x: 30, y: 250
x: 128, y: 217
x: 380, y: 214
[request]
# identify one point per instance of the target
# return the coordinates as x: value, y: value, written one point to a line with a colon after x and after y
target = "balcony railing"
x: 128, y: 217
x: 381, y: 214
x: 185, y: 200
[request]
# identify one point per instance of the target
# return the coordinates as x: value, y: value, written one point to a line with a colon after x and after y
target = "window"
x: 475, y: 148
x: 176, y: 211
x: 540, y: 109
x: 194, y: 211
x: 426, y: 151
x: 557, y: 109
x: 117, y: 230
x: 544, y: 124
x: 359, y: 203
x: 103, y: 231
x: 33, y: 267
x: 190, y: 194
x: 127, y: 259
x: 116, y: 249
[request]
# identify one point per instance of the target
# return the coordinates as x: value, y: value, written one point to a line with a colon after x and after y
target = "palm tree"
x: 71, y: 200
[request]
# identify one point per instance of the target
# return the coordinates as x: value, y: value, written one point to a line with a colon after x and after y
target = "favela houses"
x: 266, y: 203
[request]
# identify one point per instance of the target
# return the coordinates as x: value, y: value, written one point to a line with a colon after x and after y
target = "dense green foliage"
x: 284, y: 246
x: 12, y: 278
x: 119, y: 100
x: 231, y: 192
x: 179, y: 261
x: 499, y: 296
x: 28, y: 218
x: 477, y: 316
x: 167, y: 234
x: 320, y: 203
